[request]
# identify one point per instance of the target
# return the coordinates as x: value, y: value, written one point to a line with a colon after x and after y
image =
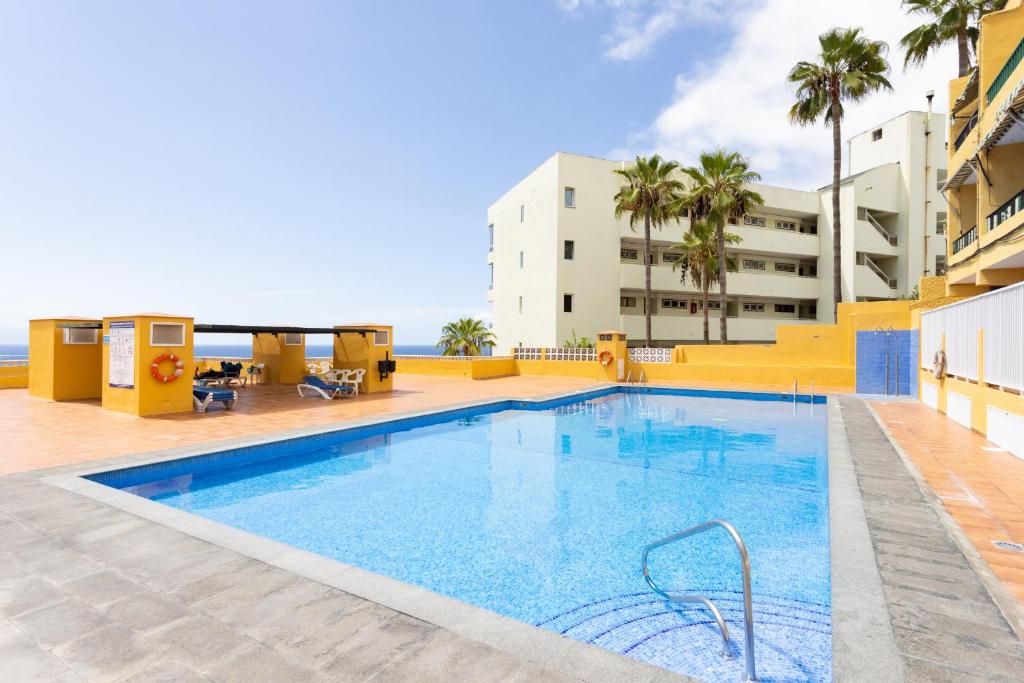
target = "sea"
x: 9, y: 352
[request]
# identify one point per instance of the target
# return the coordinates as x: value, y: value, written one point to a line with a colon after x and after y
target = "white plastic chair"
x: 325, y: 367
x: 354, y: 379
x: 337, y: 376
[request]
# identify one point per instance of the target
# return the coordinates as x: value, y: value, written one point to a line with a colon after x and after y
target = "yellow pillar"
x: 131, y: 343
x: 283, y: 356
x: 613, y: 342
x: 66, y: 362
x: 366, y: 347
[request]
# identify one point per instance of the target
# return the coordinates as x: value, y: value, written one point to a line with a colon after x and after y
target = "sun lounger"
x: 202, y: 397
x: 325, y: 390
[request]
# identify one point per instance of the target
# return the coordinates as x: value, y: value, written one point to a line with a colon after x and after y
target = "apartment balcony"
x: 775, y: 241
x: 742, y: 283
x: 691, y: 327
x: 1005, y: 74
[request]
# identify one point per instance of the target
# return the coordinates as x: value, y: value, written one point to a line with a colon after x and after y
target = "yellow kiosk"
x: 66, y: 358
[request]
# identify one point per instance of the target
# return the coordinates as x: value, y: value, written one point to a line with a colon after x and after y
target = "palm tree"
x: 650, y: 195
x: 719, y: 195
x: 947, y: 20
x: 700, y: 259
x: 465, y: 337
x: 849, y: 67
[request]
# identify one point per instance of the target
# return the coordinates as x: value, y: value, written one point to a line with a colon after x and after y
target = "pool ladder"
x: 796, y: 390
x: 748, y: 609
x: 629, y: 376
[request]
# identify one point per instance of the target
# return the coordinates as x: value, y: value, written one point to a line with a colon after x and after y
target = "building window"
x: 785, y: 267
x: 627, y: 301
x: 380, y: 337
x: 673, y: 303
x: 567, y: 303
x: 570, y: 197
x: 669, y: 257
x: 785, y: 308
x: 628, y: 254
x: 292, y: 338
x: 785, y: 225
x: 81, y: 335
x: 876, y: 135
x: 490, y: 237
x: 522, y: 213
x: 754, y: 220
x: 712, y: 305
x: 809, y: 229
x: 569, y: 250
x: 520, y: 260
x: 754, y: 308
x: 940, y: 222
x: 940, y: 264
x: 752, y: 264
x: 520, y: 304
x: 492, y: 275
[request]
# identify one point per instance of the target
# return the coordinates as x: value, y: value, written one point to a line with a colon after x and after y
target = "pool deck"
x: 95, y: 585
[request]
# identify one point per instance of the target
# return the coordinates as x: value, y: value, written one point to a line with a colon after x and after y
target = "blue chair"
x: 323, y: 389
x: 202, y: 397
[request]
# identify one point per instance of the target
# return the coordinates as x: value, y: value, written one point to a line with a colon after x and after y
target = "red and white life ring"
x: 179, y: 367
x: 605, y: 357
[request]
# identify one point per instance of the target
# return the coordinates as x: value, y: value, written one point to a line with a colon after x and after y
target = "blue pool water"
x: 541, y: 512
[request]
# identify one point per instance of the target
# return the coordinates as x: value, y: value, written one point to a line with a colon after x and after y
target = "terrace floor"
x: 84, y: 589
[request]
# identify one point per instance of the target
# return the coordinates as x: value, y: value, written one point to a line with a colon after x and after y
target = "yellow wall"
x: 283, y: 363
x: 13, y: 377
x: 354, y: 350
x: 824, y: 355
x: 149, y: 396
x: 476, y: 367
x: 59, y: 371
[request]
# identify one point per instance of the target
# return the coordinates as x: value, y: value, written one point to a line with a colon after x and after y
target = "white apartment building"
x: 562, y: 263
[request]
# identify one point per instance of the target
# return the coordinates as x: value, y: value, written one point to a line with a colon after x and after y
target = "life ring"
x: 939, y: 364
x: 605, y: 357
x: 179, y: 367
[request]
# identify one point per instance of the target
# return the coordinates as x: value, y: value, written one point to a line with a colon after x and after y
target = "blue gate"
x: 887, y: 362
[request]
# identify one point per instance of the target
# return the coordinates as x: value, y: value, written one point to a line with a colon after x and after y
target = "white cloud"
x: 741, y: 99
x: 637, y: 25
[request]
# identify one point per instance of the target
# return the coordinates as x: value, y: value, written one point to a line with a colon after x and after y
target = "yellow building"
x: 985, y: 188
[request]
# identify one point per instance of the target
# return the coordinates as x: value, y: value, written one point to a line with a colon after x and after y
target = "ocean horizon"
x: 9, y: 352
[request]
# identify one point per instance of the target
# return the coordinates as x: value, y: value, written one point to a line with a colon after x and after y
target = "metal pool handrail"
x: 748, y: 609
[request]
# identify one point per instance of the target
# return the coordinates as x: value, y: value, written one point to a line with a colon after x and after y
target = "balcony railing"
x: 965, y: 240
x: 1006, y: 211
x: 891, y: 239
x: 1011, y: 63
x: 877, y: 270
x: 965, y: 132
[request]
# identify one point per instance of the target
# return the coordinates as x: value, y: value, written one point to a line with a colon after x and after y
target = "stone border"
x: 862, y: 642
x: 1005, y: 603
x: 863, y: 645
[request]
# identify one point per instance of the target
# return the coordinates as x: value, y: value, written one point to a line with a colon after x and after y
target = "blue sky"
x: 322, y: 163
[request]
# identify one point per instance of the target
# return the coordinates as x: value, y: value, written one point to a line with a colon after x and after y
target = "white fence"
x: 1001, y: 315
x: 645, y: 355
x: 553, y: 353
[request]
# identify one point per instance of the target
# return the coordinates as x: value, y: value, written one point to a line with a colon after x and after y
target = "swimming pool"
x: 540, y: 512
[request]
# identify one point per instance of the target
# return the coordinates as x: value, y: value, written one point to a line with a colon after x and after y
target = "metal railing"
x: 965, y: 240
x: 877, y: 270
x: 891, y: 239
x: 1005, y: 212
x: 748, y: 609
x: 1004, y: 74
x: 965, y: 132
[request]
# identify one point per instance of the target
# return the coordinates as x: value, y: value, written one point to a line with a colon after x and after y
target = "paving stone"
x: 106, y: 653
x: 27, y: 595
x: 262, y: 663
x: 165, y: 670
x: 922, y: 671
x: 362, y: 642
x: 233, y: 572
x: 102, y: 587
x: 960, y: 651
x: 198, y: 641
x: 145, y: 611
x: 22, y: 660
x: 447, y: 657
x: 60, y: 622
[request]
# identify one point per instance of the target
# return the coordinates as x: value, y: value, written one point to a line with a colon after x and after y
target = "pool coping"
x: 863, y: 645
